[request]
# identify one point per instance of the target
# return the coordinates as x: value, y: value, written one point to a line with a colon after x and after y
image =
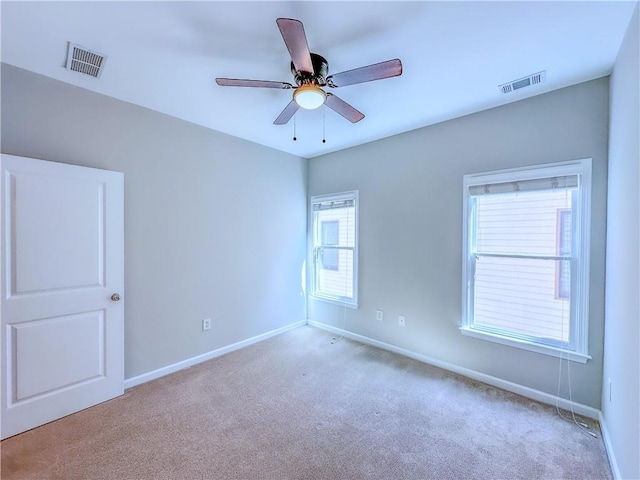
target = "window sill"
x: 512, y: 342
x: 335, y: 301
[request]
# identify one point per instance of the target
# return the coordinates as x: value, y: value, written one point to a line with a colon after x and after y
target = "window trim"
x: 342, y: 301
x: 579, y: 316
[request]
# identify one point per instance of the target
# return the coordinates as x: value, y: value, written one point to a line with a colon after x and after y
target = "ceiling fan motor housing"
x: 319, y: 74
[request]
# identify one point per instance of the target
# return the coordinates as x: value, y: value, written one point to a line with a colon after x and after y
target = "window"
x: 526, y: 257
x: 334, y: 248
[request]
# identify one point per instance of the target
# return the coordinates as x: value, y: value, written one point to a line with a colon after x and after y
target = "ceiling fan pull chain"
x: 294, y: 129
x: 324, y: 125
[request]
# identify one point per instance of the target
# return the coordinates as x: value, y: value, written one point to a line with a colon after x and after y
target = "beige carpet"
x: 303, y: 406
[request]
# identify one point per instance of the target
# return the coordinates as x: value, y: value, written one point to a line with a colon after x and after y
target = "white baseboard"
x: 161, y: 372
x: 543, y: 397
x: 613, y: 463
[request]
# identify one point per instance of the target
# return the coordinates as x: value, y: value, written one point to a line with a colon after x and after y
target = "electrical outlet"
x: 379, y: 315
x: 401, y: 320
x: 206, y: 324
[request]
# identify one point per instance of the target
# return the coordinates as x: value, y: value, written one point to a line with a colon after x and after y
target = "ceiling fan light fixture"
x: 309, y: 96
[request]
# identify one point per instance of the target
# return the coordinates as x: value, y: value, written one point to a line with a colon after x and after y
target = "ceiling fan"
x: 310, y: 73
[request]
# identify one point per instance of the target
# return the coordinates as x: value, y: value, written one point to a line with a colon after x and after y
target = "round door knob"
x: 115, y: 297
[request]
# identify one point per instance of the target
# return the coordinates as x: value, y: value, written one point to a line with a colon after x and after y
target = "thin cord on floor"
x: 573, y: 418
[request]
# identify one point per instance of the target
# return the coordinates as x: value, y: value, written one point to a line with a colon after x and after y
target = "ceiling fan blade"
x: 377, y: 71
x: 237, y: 82
x: 287, y: 113
x: 343, y: 108
x: 296, y: 41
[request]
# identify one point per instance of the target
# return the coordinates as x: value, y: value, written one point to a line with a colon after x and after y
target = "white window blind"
x: 524, y: 269
x: 334, y: 250
x: 330, y: 237
x: 530, y: 185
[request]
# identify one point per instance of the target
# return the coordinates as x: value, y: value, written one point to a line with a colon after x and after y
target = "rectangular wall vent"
x: 79, y: 59
x: 523, y: 82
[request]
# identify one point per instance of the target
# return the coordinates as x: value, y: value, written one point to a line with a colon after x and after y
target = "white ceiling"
x: 165, y: 56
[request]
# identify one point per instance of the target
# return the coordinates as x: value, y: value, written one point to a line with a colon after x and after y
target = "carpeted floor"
x: 305, y: 406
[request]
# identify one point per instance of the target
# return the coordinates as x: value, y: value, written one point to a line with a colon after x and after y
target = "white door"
x: 62, y: 325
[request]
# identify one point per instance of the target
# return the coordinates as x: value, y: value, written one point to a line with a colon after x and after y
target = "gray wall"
x: 621, y: 406
x: 411, y: 229
x: 214, y: 226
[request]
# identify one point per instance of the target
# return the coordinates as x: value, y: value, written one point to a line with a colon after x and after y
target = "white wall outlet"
x: 379, y: 315
x: 206, y: 324
x: 401, y: 320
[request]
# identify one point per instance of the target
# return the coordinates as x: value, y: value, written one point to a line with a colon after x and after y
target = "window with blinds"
x: 526, y: 257
x: 334, y: 247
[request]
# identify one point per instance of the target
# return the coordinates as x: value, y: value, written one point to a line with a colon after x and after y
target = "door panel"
x: 77, y: 356
x: 62, y: 335
x: 46, y: 256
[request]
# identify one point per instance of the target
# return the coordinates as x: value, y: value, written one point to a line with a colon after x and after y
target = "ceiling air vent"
x: 523, y: 82
x: 79, y: 59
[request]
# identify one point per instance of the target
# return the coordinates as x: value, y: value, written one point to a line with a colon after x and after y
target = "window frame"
x: 351, y: 302
x: 577, y: 349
